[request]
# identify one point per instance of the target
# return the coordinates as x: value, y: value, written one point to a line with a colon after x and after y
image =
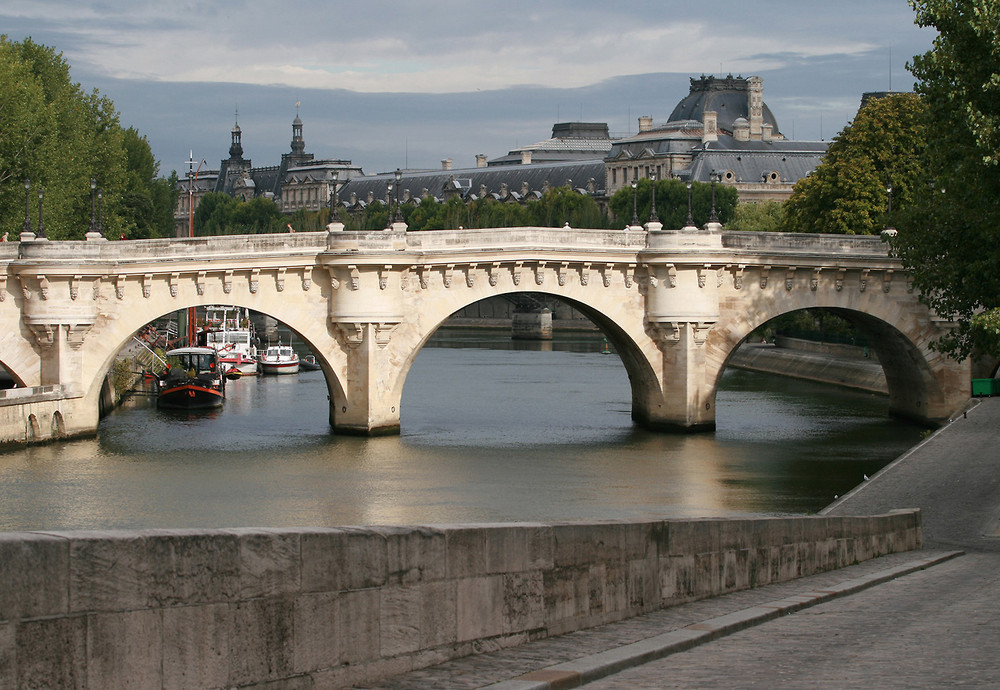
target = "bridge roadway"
x: 925, y: 619
x: 675, y: 304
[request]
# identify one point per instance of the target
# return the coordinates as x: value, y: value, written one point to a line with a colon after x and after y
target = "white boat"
x: 234, y: 339
x: 279, y: 359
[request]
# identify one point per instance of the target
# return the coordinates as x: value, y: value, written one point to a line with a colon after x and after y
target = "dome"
x: 728, y: 98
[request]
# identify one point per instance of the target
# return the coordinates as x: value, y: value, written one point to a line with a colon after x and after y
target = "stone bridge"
x: 675, y: 303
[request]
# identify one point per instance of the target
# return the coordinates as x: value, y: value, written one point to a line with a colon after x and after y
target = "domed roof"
x: 727, y: 97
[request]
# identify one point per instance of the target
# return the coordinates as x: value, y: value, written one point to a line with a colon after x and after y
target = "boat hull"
x: 189, y: 396
x: 279, y: 367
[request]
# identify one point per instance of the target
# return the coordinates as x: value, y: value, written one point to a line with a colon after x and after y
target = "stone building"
x: 299, y: 181
x: 722, y: 126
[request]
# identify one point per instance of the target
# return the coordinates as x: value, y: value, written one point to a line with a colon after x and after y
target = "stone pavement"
x: 917, y: 619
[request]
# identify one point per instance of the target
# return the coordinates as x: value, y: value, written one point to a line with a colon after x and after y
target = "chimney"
x: 446, y: 164
x: 710, y: 128
x: 766, y: 132
x: 481, y: 160
x: 525, y: 157
x: 645, y: 123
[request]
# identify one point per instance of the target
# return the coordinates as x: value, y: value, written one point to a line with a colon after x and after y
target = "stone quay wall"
x: 334, y: 607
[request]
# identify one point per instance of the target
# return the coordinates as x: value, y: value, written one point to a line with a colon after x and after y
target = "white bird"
x: 865, y: 476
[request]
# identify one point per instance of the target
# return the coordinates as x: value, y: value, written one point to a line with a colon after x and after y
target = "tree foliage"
x: 848, y: 193
x: 221, y: 214
x: 672, y: 203
x: 59, y: 137
x: 949, y: 238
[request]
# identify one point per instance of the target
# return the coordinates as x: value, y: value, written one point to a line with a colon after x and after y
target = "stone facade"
x: 338, y: 607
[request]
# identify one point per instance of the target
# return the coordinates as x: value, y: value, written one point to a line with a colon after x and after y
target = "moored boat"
x: 279, y: 359
x: 234, y: 339
x: 192, y: 380
x: 308, y: 363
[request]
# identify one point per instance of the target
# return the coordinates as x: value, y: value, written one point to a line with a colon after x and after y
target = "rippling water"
x: 489, y: 433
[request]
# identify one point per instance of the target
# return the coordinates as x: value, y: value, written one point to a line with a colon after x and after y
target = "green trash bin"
x: 985, y: 387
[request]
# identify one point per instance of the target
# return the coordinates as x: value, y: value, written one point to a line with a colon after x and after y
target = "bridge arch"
x: 606, y: 316
x: 917, y: 377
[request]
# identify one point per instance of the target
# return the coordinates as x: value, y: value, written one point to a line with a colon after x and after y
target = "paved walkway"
x: 919, y: 619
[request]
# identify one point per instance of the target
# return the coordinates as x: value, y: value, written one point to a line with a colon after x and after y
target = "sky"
x: 390, y: 84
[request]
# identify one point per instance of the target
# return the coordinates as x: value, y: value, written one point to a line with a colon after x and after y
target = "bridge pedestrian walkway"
x: 919, y: 619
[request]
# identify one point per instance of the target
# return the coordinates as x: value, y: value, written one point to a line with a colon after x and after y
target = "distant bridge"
x: 675, y: 304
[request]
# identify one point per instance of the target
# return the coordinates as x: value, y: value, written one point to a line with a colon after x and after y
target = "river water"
x: 491, y: 431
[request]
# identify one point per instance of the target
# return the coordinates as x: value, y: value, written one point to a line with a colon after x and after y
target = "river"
x: 492, y: 430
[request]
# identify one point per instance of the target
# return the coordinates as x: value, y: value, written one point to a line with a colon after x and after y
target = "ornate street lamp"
x: 100, y: 218
x: 388, y: 200
x: 398, y: 218
x: 690, y: 220
x: 27, y: 220
x: 713, y: 217
x: 334, y: 201
x: 888, y: 190
x: 652, y: 209
x: 635, y: 197
x: 41, y: 228
x: 93, y: 205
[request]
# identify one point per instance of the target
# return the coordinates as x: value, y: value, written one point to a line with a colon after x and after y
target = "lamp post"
x: 652, y: 191
x: 888, y: 190
x: 41, y: 228
x: 635, y: 197
x: 334, y: 202
x: 27, y: 220
x: 690, y: 219
x: 388, y: 200
x: 100, y: 216
x: 93, y: 205
x: 713, y: 217
x: 398, y: 218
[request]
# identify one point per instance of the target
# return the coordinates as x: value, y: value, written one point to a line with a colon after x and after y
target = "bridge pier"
x: 368, y: 405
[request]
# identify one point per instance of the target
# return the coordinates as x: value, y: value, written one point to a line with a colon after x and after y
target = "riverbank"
x: 824, y: 367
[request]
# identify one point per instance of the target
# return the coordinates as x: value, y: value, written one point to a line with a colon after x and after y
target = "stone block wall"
x: 332, y: 607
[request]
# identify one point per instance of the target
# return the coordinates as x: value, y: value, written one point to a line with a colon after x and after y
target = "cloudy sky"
x: 407, y: 84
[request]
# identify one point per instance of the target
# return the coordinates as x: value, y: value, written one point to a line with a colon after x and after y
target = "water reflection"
x: 487, y: 435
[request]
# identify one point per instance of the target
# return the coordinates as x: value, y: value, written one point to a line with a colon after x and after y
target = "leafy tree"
x: 672, y: 203
x: 848, y: 192
x: 766, y: 216
x: 948, y: 239
x: 221, y: 214
x: 60, y: 138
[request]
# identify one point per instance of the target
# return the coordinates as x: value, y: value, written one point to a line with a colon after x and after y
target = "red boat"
x: 192, y: 380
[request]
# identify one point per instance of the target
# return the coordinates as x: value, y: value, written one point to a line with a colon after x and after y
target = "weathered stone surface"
x: 342, y: 559
x: 438, y: 614
x: 196, y: 646
x: 480, y: 607
x: 317, y: 631
x: 399, y: 620
x: 260, y: 646
x: 414, y: 554
x: 52, y: 653
x: 34, y: 573
x: 8, y: 655
x: 358, y: 626
x: 124, y: 649
x: 269, y: 562
x: 523, y: 601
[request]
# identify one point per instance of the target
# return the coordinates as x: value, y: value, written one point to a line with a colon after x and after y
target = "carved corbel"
x: 765, y: 272
x: 664, y: 333
x: 227, y: 282
x: 494, y: 273
x: 720, y: 276
x: 585, y: 274
x: 74, y: 287
x: 789, y: 277
x: 448, y: 270
x: 306, y: 279
x: 424, y: 273
x: 699, y: 331
x: 354, y: 333
x: 96, y: 290
x: 887, y: 279
x: 629, y: 275
x: 738, y: 276
x: 120, y: 286
x: 43, y: 287
x: 561, y: 273
x: 651, y: 279
x: 383, y: 333
x: 174, y: 278
x: 515, y: 272
x: 864, y: 279
x: 470, y: 275
x: 199, y: 282
x: 814, y: 280
x: 383, y: 277
x: 539, y: 273
x: 279, y: 280
x: 45, y: 333
x: 702, y: 274
x: 608, y: 270
x: 672, y: 275
x: 355, y: 277
x: 147, y: 285
x: 254, y: 280
x: 76, y: 333
x: 3, y: 287
x: 838, y: 282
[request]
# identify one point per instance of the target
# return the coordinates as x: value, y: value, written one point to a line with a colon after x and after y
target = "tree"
x: 766, y: 216
x: 221, y: 214
x: 848, y: 193
x: 948, y: 238
x: 672, y: 203
x: 59, y: 137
